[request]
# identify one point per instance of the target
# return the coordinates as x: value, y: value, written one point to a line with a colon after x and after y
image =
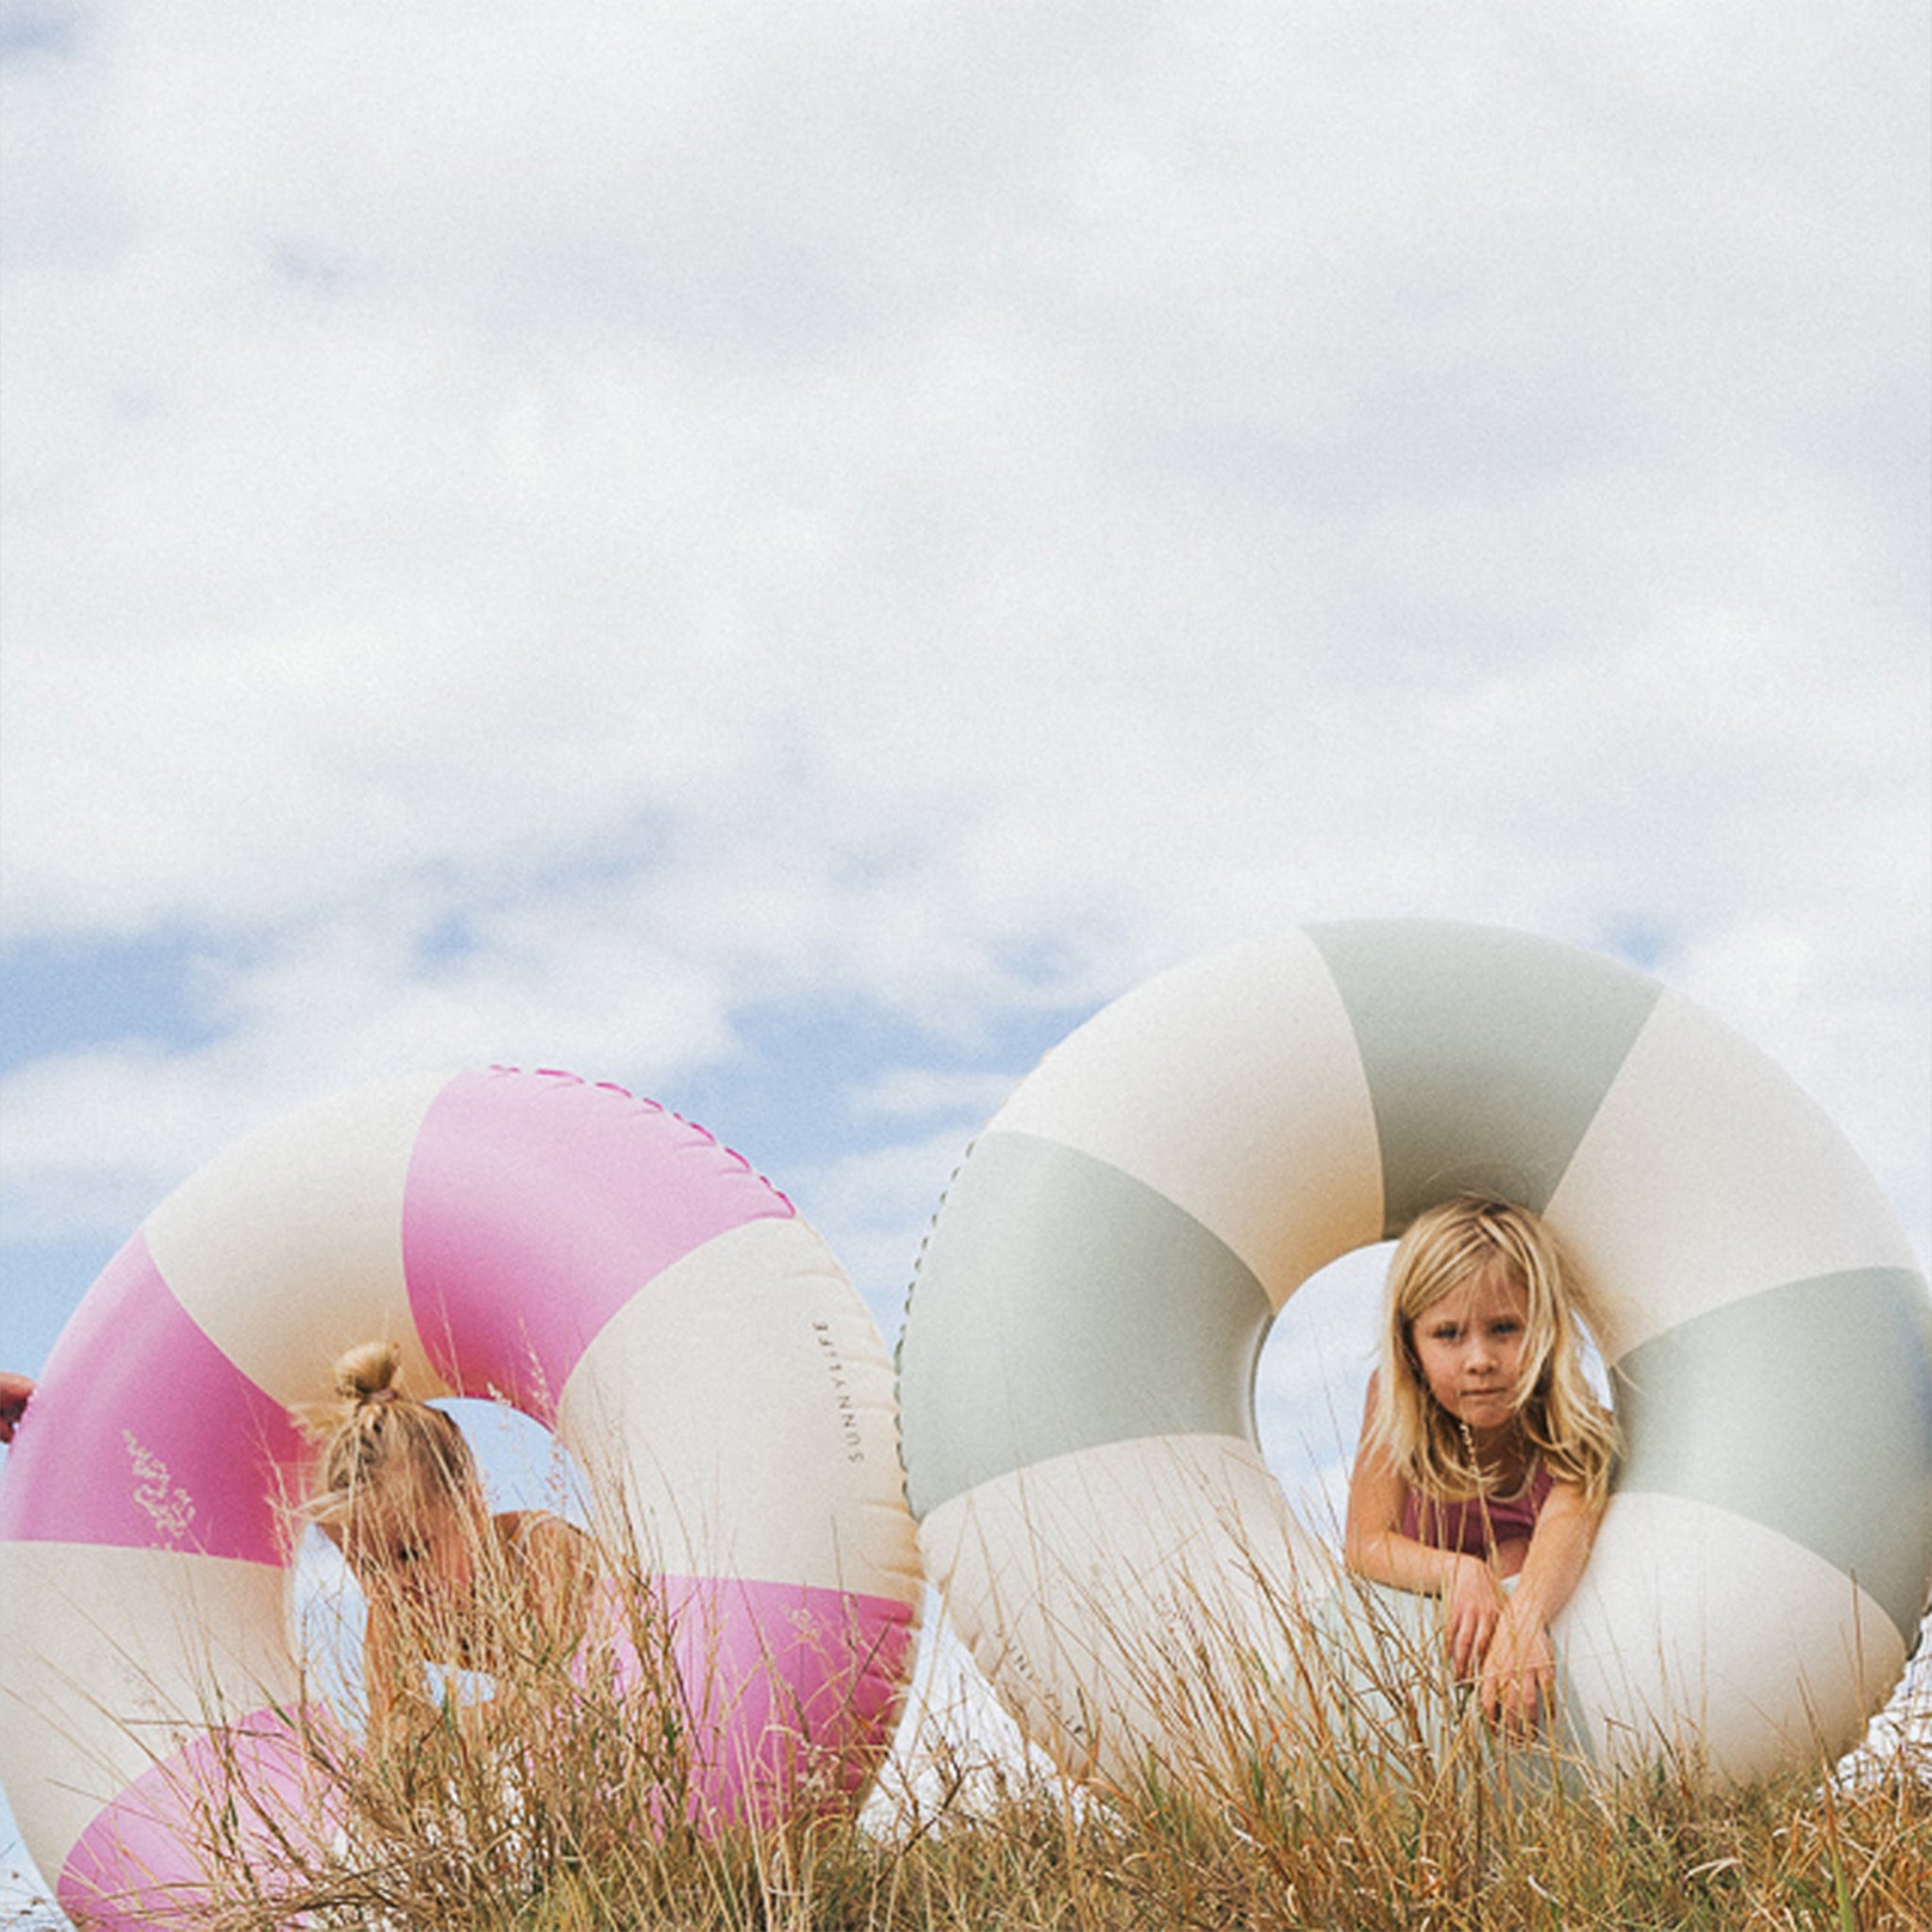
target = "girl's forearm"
x: 1402, y: 1563
x: 391, y: 1683
x: 1372, y: 1544
x: 1559, y: 1550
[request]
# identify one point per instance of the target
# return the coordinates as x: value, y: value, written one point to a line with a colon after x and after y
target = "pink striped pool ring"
x: 601, y: 1264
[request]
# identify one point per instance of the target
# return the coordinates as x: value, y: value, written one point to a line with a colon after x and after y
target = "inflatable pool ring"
x: 603, y: 1265
x: 1078, y: 1360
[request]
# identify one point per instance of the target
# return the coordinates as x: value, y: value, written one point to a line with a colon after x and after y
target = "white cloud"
x: 94, y: 1137
x: 954, y: 509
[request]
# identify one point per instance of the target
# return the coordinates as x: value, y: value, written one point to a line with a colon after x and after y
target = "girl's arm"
x: 14, y: 1394
x: 388, y: 1678
x: 1518, y: 1673
x: 1373, y: 1547
x: 393, y: 1677
x: 559, y: 1571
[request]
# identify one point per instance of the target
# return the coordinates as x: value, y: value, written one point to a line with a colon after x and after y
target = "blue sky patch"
x: 785, y: 1100
x: 1643, y: 943
x: 28, y: 27
x: 62, y: 997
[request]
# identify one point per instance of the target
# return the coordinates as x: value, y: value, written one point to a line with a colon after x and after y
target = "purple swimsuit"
x: 1471, y: 1527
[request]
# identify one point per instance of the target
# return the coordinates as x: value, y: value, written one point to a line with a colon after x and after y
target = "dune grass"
x: 563, y: 1804
x: 998, y: 1846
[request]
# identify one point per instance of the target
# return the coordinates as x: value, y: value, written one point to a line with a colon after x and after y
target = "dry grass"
x: 1657, y: 1852
x: 564, y: 1806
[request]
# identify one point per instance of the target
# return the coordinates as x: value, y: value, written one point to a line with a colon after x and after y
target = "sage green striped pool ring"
x: 1077, y: 1364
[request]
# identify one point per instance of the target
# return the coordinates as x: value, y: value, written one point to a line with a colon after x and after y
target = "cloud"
x: 533, y: 542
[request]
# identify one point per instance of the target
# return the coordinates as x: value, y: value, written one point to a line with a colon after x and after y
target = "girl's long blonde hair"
x: 373, y: 1434
x: 1562, y: 1419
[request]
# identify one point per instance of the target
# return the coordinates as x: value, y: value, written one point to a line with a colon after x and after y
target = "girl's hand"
x: 1519, y: 1674
x: 1473, y: 1605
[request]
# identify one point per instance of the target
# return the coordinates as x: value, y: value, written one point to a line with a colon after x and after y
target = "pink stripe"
x: 792, y: 1692
x: 143, y: 1435
x: 537, y: 1206
x: 144, y: 1860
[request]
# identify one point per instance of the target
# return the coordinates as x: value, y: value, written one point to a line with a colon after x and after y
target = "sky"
x: 783, y: 556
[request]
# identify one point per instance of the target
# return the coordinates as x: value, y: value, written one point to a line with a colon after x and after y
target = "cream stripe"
x: 287, y: 1248
x: 1083, y: 1584
x: 743, y: 1400
x: 1231, y: 1085
x: 1708, y: 1177
x: 110, y: 1658
x: 1702, y: 1630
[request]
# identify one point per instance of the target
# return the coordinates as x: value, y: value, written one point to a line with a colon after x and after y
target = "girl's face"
x: 1470, y: 1343
x: 422, y: 1548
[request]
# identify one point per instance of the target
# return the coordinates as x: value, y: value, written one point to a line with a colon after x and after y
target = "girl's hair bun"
x: 372, y: 1432
x: 368, y: 1372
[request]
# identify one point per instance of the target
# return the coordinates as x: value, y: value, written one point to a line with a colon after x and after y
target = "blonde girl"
x: 447, y: 1582
x: 1484, y: 1454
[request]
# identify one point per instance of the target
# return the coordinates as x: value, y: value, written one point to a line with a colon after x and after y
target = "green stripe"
x: 1807, y: 1408
x: 1488, y: 1053
x: 1060, y: 1304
